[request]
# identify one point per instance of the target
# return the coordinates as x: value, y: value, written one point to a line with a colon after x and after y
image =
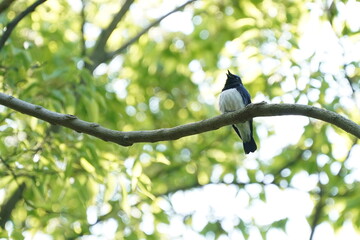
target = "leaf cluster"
x: 76, y: 183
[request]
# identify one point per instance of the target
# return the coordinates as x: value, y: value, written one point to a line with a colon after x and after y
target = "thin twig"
x: 13, y: 174
x: 294, y: 161
x: 11, y: 25
x: 83, y: 21
x: 317, y: 211
x: 145, y: 30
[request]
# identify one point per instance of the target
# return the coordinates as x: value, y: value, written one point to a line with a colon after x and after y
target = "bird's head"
x: 232, y: 79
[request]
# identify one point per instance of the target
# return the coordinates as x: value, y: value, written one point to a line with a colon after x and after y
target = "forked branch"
x: 99, y: 54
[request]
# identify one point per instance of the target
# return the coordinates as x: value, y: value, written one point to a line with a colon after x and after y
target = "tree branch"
x: 5, y: 4
x: 9, y: 206
x: 82, y: 28
x: 145, y: 30
x: 108, y: 56
x: 167, y: 134
x: 11, y: 25
x: 317, y: 212
x: 99, y: 50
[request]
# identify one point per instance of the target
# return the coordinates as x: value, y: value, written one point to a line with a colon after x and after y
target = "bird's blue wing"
x: 247, y: 100
x: 249, y: 146
x: 244, y: 94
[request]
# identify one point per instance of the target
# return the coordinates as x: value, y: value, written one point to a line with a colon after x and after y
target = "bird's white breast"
x: 230, y: 100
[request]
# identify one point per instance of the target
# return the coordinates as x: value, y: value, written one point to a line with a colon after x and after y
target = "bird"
x: 234, y: 96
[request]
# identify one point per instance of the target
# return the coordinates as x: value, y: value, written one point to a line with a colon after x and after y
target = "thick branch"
x: 10, y: 27
x: 166, y: 134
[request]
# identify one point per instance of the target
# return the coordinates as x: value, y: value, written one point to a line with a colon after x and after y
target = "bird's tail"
x: 250, y: 146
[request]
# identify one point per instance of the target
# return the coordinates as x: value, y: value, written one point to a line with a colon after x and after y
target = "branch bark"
x: 167, y: 134
x: 11, y: 25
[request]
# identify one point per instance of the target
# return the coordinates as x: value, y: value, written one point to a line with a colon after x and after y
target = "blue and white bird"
x: 233, y: 97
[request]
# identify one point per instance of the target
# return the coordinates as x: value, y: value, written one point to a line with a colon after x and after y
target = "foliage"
x: 75, y: 182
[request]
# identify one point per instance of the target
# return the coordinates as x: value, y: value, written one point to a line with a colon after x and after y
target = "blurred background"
x: 141, y: 65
